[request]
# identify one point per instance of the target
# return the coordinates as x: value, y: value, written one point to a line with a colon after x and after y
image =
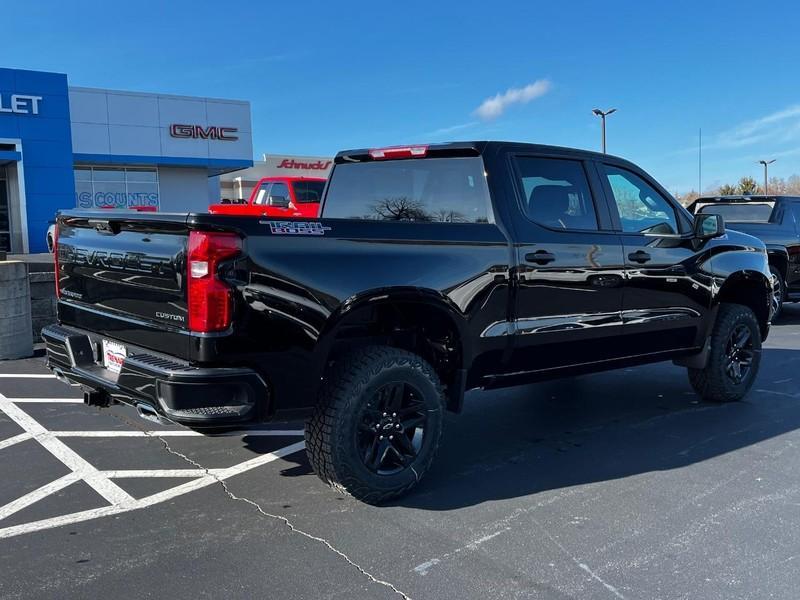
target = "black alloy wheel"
x: 378, y: 423
x: 734, y: 355
x: 739, y: 354
x: 392, y: 428
x: 778, y: 288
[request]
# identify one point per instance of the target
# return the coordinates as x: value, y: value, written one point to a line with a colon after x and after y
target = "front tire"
x: 778, y: 292
x: 734, y: 356
x: 377, y: 426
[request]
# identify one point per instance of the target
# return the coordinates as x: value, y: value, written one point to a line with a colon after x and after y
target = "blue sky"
x: 322, y: 76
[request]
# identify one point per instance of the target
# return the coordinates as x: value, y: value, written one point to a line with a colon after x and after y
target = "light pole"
x: 603, y: 116
x: 765, y: 163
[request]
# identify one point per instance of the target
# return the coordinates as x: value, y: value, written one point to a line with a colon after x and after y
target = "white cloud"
x: 493, y: 107
x: 444, y: 131
x: 780, y: 126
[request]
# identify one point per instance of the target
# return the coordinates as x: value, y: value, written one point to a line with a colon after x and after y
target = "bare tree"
x: 728, y: 190
x: 401, y: 208
x: 449, y: 216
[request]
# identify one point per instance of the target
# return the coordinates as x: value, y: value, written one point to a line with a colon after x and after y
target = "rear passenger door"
x: 665, y: 298
x: 569, y: 279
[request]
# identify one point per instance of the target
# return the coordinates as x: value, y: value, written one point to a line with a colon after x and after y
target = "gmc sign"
x: 198, y: 132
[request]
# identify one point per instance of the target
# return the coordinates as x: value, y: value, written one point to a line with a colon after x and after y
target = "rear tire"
x: 734, y: 356
x: 377, y: 426
x: 778, y: 292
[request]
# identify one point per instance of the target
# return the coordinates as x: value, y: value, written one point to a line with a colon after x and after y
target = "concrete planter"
x: 16, y: 326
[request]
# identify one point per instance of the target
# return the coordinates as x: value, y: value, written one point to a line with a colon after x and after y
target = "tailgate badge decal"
x: 296, y: 227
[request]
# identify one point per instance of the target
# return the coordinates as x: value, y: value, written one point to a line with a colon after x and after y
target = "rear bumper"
x: 172, y: 388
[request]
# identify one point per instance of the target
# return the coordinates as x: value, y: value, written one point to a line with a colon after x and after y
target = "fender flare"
x: 407, y: 295
x: 386, y: 296
x: 777, y: 254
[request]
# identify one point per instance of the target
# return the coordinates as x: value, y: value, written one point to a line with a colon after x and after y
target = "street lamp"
x: 765, y: 163
x: 603, y: 116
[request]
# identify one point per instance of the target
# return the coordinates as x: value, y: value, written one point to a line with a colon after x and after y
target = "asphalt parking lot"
x: 617, y: 485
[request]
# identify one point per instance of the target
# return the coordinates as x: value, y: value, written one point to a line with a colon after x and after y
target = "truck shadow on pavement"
x: 523, y: 441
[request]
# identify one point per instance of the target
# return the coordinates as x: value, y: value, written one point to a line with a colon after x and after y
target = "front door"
x: 666, y: 297
x: 569, y: 283
x: 5, y: 220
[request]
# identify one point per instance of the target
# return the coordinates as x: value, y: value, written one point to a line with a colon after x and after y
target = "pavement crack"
x: 315, y: 538
x: 292, y: 527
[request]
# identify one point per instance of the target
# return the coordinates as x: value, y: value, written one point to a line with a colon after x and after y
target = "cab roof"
x: 474, y: 148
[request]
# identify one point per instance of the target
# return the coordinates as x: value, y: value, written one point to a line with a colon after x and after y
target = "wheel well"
x: 780, y: 261
x: 752, y: 291
x: 421, y: 328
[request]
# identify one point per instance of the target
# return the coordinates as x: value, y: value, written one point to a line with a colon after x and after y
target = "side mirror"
x: 708, y: 225
x: 279, y: 201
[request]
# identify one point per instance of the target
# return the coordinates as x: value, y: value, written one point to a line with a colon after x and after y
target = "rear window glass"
x: 306, y: 192
x: 451, y: 190
x: 741, y: 213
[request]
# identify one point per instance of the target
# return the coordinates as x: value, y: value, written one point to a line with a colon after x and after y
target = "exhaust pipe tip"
x: 148, y: 413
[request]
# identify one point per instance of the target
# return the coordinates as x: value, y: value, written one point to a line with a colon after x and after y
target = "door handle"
x: 640, y: 256
x: 540, y: 257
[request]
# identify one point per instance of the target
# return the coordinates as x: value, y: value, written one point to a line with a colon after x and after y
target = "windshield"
x: 306, y: 192
x: 449, y: 190
x: 750, y: 212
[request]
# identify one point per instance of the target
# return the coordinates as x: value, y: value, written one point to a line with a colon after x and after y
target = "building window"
x: 116, y: 187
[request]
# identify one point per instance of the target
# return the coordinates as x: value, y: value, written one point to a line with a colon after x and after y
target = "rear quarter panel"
x: 296, y: 287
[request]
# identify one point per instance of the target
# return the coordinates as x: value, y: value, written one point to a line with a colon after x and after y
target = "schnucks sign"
x: 317, y: 165
x: 310, y: 166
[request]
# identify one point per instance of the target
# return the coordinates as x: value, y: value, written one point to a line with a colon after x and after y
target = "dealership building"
x: 66, y: 147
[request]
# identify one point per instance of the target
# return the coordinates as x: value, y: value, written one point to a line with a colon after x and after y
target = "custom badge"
x: 296, y: 227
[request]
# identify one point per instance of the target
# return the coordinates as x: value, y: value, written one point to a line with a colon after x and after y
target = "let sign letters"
x: 20, y: 104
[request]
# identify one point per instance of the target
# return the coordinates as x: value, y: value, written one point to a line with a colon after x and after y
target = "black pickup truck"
x: 775, y: 220
x: 432, y: 270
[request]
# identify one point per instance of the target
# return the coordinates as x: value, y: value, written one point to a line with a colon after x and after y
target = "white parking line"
x: 178, y: 433
x: 158, y: 473
x: 190, y: 486
x: 102, y: 485
x: 15, y: 440
x: 101, y: 481
x: 26, y: 376
x: 37, y: 494
x: 46, y: 400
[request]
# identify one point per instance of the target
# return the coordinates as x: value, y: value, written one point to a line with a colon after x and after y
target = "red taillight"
x: 398, y: 152
x: 210, y: 299
x: 55, y: 259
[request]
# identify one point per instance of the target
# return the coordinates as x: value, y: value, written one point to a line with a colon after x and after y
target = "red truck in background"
x: 279, y: 197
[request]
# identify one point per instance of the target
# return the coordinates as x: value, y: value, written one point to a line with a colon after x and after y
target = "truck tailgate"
x: 123, y: 273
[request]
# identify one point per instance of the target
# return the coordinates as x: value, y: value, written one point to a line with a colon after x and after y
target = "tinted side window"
x: 796, y: 214
x: 262, y: 194
x: 449, y: 190
x: 556, y: 193
x: 641, y: 208
x: 278, y: 189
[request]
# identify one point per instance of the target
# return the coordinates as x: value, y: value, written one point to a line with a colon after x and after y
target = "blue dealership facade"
x: 66, y: 147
